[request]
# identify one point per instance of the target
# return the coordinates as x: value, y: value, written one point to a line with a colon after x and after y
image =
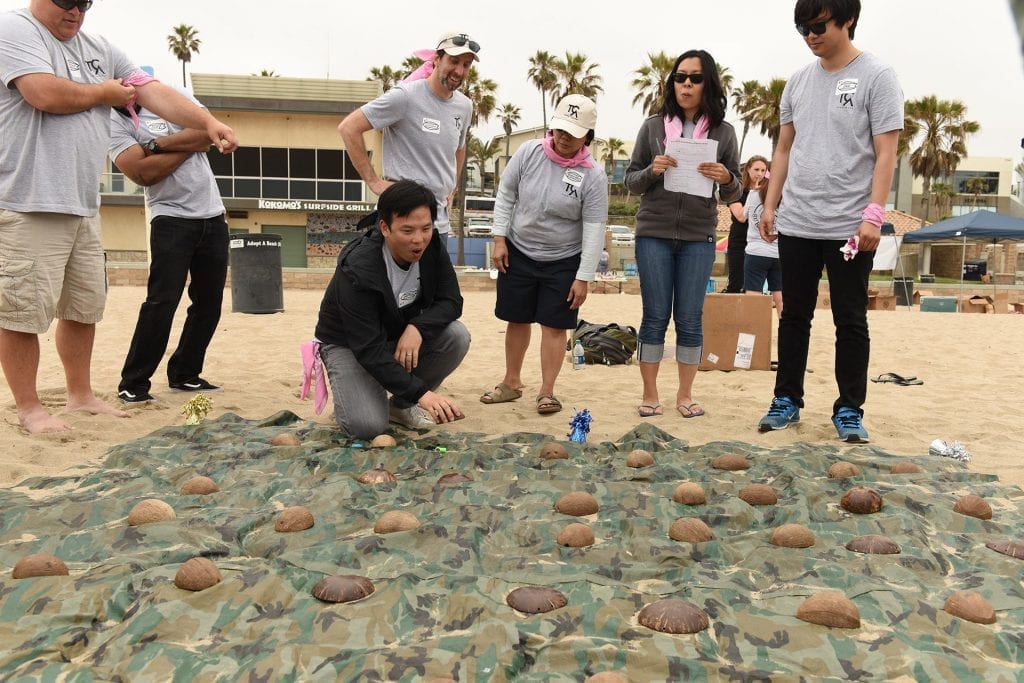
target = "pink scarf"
x: 425, y: 69
x: 582, y: 157
x: 135, y: 78
x: 674, y: 128
x: 313, y: 373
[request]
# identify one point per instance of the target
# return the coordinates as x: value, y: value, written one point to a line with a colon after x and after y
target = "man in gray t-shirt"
x: 59, y: 85
x: 188, y: 237
x: 841, y: 116
x: 425, y: 124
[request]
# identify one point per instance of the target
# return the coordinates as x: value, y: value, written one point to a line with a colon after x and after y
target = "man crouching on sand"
x: 389, y: 320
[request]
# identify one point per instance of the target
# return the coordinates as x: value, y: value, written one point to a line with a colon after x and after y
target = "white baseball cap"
x: 456, y: 44
x: 576, y: 115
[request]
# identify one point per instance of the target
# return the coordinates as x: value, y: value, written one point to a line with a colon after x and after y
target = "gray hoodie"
x: 675, y: 215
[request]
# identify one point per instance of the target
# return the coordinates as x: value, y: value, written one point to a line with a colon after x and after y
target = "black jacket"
x: 359, y: 312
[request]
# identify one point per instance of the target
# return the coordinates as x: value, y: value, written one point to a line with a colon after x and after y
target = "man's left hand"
x: 407, y: 351
x: 577, y: 294
x: 868, y: 236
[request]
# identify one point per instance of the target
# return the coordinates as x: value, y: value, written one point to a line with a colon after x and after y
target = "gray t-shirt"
x: 835, y: 117
x: 405, y: 282
x: 191, y: 190
x: 422, y: 132
x: 49, y: 162
x: 551, y: 212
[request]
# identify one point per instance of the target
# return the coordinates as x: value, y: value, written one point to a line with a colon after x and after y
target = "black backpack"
x: 609, y: 344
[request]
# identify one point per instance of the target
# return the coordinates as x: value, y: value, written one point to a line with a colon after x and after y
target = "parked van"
x: 479, y: 207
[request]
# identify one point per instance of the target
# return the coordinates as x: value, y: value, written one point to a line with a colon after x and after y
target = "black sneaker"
x: 197, y: 384
x: 126, y: 396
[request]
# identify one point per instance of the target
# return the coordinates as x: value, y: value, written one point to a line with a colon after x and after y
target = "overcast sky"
x: 950, y: 48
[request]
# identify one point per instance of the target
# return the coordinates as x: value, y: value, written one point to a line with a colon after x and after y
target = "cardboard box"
x: 977, y: 304
x: 737, y: 332
x: 881, y: 302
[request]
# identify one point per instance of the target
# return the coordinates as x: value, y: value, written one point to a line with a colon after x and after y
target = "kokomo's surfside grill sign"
x: 302, y: 205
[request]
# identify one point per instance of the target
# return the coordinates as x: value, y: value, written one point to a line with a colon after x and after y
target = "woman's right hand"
x: 662, y: 162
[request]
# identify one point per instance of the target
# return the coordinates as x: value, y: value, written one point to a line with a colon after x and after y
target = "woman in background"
x: 753, y: 172
x: 675, y: 231
x: 762, y: 258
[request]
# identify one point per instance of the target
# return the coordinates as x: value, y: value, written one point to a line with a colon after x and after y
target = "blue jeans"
x: 673, y: 280
x: 182, y: 249
x: 802, y: 261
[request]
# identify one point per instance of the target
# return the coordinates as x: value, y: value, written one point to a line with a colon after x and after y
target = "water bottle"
x: 578, y: 360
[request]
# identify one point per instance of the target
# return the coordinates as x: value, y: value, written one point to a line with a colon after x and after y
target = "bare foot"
x: 38, y: 421
x: 94, y: 406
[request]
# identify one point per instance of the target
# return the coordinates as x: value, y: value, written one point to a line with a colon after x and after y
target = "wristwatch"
x: 152, y: 147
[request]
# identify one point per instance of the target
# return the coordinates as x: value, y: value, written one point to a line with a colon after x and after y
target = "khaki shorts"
x: 51, y: 266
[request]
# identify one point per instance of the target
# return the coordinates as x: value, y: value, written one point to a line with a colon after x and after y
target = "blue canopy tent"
x: 977, y: 225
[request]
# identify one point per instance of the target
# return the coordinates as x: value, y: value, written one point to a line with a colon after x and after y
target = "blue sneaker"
x: 781, y: 414
x: 850, y: 426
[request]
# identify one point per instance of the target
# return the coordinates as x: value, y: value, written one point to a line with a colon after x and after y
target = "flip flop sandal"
x: 691, y: 410
x: 897, y: 379
x: 649, y: 409
x: 502, y: 393
x: 546, y: 405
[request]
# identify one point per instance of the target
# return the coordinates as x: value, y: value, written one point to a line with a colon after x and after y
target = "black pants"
x: 734, y: 259
x: 802, y: 262
x: 180, y: 248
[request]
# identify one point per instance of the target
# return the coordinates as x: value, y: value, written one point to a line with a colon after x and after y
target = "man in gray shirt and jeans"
x: 841, y: 117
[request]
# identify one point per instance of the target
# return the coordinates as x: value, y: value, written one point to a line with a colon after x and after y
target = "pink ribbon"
x: 674, y: 128
x: 313, y: 374
x: 425, y: 69
x: 135, y: 78
x: 582, y: 157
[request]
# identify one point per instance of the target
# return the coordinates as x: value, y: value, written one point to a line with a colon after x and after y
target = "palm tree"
x: 182, y: 42
x: 744, y: 99
x: 542, y: 75
x: 940, y: 129
x: 649, y: 82
x: 480, y: 92
x: 761, y: 108
x: 943, y: 194
x: 509, y: 115
x: 612, y: 147
x: 267, y: 73
x: 976, y: 186
x: 478, y: 153
x: 410, y: 64
x: 387, y: 77
x: 725, y: 77
x: 576, y: 77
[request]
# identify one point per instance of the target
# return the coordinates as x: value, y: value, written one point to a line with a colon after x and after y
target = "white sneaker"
x: 412, y: 417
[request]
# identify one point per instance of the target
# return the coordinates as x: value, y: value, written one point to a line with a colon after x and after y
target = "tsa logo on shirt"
x: 74, y: 70
x: 573, y: 179
x: 846, y: 88
x: 406, y: 298
x: 431, y: 126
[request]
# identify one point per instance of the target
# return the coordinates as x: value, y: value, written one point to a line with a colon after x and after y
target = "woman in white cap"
x: 675, y: 231
x: 549, y: 220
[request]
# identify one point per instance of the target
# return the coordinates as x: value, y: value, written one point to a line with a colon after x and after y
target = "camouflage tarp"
x: 439, y: 608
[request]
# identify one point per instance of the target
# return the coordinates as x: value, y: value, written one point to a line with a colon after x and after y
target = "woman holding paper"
x: 680, y: 155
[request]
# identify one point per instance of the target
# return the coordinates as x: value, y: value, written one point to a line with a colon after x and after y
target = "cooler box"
x: 938, y: 304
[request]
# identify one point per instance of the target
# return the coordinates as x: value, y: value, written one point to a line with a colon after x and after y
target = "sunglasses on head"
x: 807, y: 29
x: 459, y: 41
x: 82, y: 5
x: 681, y: 78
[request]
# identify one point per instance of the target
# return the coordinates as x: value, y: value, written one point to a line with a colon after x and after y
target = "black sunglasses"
x: 807, y: 29
x: 82, y: 5
x: 681, y: 78
x: 457, y: 41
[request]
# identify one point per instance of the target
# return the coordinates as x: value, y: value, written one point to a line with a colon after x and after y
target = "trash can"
x: 904, y: 289
x: 256, y: 273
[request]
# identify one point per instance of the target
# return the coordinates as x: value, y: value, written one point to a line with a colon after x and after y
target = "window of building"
x: 285, y: 173
x: 988, y: 182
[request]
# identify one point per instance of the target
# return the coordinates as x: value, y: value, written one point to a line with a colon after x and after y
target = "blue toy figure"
x: 579, y: 426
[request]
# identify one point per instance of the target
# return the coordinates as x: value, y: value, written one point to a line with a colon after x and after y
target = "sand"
x: 970, y: 365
